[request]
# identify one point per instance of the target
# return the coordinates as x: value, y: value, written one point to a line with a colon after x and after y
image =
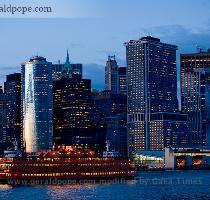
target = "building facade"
x: 195, y: 93
x: 12, y: 90
x: 122, y: 73
x: 111, y: 75
x: 152, y: 90
x: 2, y: 117
x: 37, y: 104
x: 109, y: 110
x: 72, y: 107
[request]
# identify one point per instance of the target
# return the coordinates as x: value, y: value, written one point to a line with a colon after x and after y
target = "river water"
x: 169, y: 185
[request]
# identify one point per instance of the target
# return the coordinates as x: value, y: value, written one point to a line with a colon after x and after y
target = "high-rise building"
x: 57, y: 70
x: 122, y: 73
x: 111, y: 75
x: 110, y: 110
x: 12, y: 90
x: 2, y: 117
x: 76, y: 69
x: 152, y: 95
x: 37, y: 104
x: 195, y: 94
x: 72, y: 106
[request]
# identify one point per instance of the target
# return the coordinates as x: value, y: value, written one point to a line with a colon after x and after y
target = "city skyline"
x: 186, y: 30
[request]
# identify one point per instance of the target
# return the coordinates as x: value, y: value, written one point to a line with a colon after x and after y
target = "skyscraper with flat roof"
x: 37, y: 104
x: 71, y: 111
x: 195, y: 94
x: 152, y: 95
x: 12, y: 90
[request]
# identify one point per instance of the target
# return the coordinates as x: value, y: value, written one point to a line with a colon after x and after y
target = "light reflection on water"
x: 192, y: 185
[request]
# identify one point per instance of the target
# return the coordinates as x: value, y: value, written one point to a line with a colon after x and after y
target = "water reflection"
x: 152, y: 185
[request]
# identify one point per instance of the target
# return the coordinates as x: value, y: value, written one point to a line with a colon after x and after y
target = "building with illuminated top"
x: 153, y: 117
x: 37, y: 104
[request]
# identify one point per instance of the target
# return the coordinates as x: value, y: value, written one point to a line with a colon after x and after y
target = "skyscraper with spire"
x: 66, y: 69
x: 67, y: 65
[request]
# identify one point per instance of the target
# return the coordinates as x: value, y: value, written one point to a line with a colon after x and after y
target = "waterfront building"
x: 111, y: 75
x: 194, y: 157
x: 152, y: 95
x: 195, y: 94
x: 37, y: 104
x: 122, y: 73
x: 12, y: 90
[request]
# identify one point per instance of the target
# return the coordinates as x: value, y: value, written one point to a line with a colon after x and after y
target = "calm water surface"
x: 192, y: 185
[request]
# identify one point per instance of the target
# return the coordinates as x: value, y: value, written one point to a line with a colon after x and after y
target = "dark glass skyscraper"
x: 72, y: 106
x: 12, y: 90
x: 111, y: 75
x: 110, y: 110
x: 195, y: 94
x: 152, y: 93
x: 37, y: 104
x: 2, y: 117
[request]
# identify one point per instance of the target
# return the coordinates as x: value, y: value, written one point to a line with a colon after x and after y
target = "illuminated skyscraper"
x: 111, y: 75
x: 37, y: 104
x: 71, y: 111
x: 153, y: 118
x: 195, y: 94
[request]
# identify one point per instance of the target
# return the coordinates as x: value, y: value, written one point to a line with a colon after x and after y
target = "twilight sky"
x: 93, y: 29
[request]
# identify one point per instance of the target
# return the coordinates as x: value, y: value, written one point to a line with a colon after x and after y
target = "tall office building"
x: 2, y: 117
x: 57, y: 70
x: 152, y: 95
x: 37, y: 104
x: 12, y: 90
x: 122, y: 73
x: 111, y: 75
x: 72, y: 106
x: 195, y: 94
x: 76, y: 69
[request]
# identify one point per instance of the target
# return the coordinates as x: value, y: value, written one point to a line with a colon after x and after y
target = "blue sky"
x: 93, y: 29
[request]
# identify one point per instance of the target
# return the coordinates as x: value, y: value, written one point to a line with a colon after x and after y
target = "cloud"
x: 95, y: 72
x: 186, y: 39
